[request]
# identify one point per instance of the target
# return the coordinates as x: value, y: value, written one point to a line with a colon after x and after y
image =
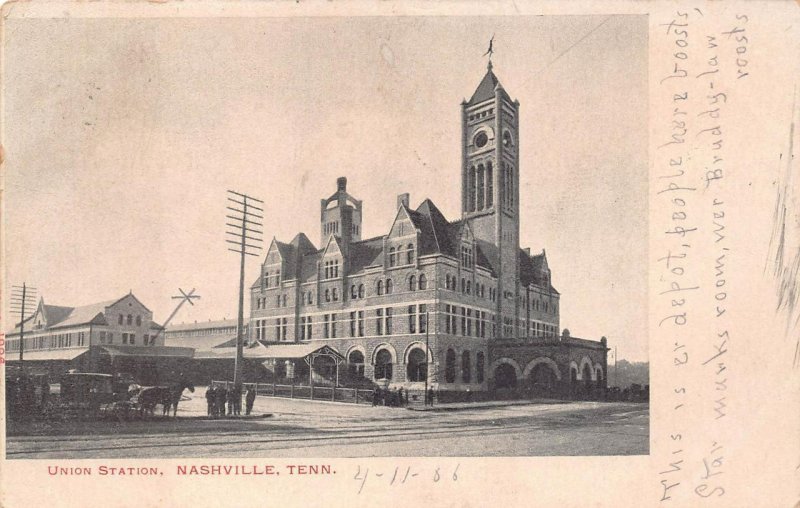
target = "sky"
x: 121, y: 137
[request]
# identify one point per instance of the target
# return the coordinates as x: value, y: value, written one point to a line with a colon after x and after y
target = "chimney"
x: 527, y: 250
x: 341, y: 184
x: 402, y: 199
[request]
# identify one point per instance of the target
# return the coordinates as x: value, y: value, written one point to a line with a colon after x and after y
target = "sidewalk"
x: 458, y: 406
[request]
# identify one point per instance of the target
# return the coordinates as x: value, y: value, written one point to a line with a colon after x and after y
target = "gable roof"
x: 57, y: 316
x: 366, y: 253
x: 534, y: 270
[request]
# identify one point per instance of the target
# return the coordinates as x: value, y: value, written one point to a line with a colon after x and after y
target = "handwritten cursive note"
x: 705, y: 66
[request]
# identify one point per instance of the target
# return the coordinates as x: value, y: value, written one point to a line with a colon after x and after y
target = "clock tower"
x: 490, y: 187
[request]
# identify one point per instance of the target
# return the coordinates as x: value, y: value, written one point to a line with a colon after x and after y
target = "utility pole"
x: 243, y: 226
x: 427, y: 352
x: 183, y: 297
x: 23, y: 299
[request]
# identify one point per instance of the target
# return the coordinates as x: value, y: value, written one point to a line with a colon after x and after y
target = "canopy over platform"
x: 68, y: 354
x: 148, y: 351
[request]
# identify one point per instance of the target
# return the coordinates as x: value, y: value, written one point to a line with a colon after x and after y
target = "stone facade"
x: 457, y: 298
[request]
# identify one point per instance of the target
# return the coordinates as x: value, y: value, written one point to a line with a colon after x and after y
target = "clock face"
x: 481, y: 139
x: 508, y: 140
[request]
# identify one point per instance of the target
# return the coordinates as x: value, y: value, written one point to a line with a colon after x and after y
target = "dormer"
x: 403, y: 238
x: 331, y: 265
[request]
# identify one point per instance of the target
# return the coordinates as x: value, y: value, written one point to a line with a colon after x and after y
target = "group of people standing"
x: 224, y: 401
x: 396, y: 397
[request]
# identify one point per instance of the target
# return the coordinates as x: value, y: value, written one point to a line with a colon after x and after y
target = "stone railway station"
x: 457, y: 303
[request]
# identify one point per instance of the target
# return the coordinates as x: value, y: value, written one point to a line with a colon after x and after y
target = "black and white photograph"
x: 326, y: 237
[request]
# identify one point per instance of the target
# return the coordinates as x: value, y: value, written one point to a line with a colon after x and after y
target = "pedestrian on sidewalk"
x: 222, y: 396
x: 250, y: 399
x: 210, y: 399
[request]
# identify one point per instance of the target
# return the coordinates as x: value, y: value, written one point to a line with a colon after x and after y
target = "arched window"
x: 469, y: 286
x: 284, y: 297
x: 355, y: 362
x: 412, y: 282
x: 463, y: 285
x: 480, y: 187
x: 361, y: 290
x: 480, y: 366
x: 383, y: 365
x: 392, y: 257
x: 120, y: 319
x: 327, y: 295
x: 353, y: 292
x: 388, y: 286
x: 410, y: 254
x: 138, y: 320
x: 380, y: 287
x: 130, y: 319
x: 450, y: 366
x: 466, y: 367
x: 310, y: 298
x: 447, y: 281
x: 471, y: 193
x: 334, y: 292
x: 489, y: 185
x: 266, y: 279
x: 423, y: 282
x: 417, y: 365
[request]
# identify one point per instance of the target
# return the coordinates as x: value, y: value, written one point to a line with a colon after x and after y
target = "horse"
x: 173, y: 395
x: 168, y: 396
x: 149, y: 396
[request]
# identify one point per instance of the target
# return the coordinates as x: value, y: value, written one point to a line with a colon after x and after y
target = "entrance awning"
x: 148, y: 351
x: 68, y: 354
x: 296, y: 351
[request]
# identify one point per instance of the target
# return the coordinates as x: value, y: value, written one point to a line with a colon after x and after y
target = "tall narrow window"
x: 379, y: 321
x: 423, y: 282
x: 388, y: 321
x: 466, y: 368
x: 392, y: 257
x: 412, y: 319
x: 388, y: 286
x: 450, y: 366
x: 360, y: 324
x: 480, y: 367
x: 353, y: 324
x: 412, y: 283
x: 410, y: 254
x: 380, y: 287
x: 423, y: 318
x: 481, y: 176
x: 489, y: 185
x: 471, y: 190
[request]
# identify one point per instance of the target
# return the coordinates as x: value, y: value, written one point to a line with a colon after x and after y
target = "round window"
x: 480, y: 139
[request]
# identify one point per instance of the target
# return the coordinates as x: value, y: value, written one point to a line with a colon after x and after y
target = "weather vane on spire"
x: 490, y: 51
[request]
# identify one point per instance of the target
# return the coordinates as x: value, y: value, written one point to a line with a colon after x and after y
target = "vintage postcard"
x: 343, y: 252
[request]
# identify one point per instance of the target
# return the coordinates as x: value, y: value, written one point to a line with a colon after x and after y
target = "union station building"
x: 458, y: 302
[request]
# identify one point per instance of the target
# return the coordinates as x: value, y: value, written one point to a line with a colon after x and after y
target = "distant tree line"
x: 627, y: 373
